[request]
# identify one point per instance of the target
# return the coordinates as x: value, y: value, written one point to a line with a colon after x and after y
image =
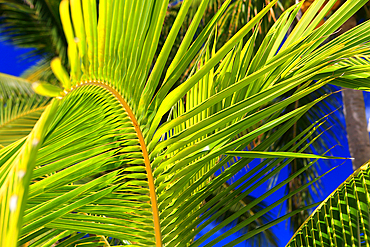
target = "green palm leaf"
x: 20, y: 108
x: 342, y: 219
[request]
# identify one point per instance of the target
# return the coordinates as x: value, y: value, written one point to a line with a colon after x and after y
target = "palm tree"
x: 115, y: 158
x: 354, y: 109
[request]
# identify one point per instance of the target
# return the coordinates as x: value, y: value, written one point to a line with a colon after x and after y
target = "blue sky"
x: 11, y: 62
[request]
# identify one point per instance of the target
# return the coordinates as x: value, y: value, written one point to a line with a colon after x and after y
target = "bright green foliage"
x: 20, y: 108
x: 343, y: 218
x: 125, y: 152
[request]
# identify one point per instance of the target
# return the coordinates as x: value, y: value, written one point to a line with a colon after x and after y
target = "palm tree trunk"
x: 355, y: 115
x: 358, y: 137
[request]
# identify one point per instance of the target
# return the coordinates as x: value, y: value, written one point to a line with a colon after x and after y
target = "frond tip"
x: 46, y: 89
x: 61, y: 73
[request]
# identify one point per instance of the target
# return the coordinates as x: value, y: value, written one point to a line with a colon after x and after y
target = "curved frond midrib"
x: 152, y: 191
x: 22, y: 115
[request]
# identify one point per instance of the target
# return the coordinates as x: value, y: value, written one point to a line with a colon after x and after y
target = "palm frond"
x: 117, y: 158
x: 329, y: 109
x: 342, y: 218
x: 20, y: 108
x: 41, y: 71
x: 35, y: 24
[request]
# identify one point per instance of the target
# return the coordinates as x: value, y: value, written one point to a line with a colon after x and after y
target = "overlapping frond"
x: 111, y: 173
x: 16, y: 172
x: 329, y: 108
x: 202, y: 122
x: 101, y: 167
x: 20, y: 108
x: 317, y: 111
x: 342, y: 219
